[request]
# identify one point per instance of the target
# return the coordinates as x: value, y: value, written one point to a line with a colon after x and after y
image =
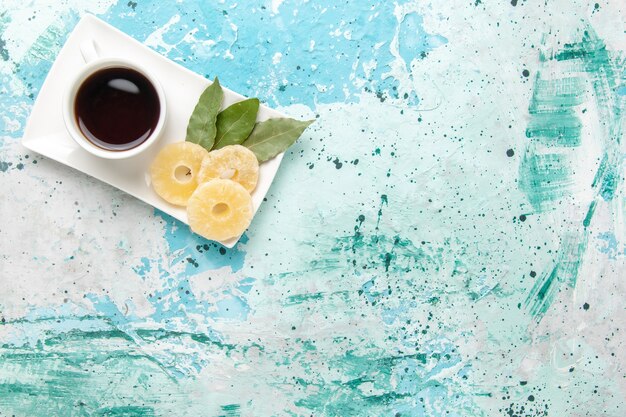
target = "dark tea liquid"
x: 117, y: 108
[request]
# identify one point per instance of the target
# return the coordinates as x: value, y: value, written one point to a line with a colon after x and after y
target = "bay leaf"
x: 235, y: 123
x: 202, y: 123
x: 273, y: 136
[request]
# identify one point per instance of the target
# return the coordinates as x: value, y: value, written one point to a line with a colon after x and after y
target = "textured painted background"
x: 447, y: 240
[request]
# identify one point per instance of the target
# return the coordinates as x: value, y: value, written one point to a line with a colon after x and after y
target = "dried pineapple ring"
x: 175, y: 169
x: 234, y: 162
x: 220, y: 209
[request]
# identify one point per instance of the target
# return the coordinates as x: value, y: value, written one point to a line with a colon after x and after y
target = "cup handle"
x: 89, y: 50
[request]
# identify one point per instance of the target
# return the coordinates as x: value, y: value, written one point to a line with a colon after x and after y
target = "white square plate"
x: 45, y: 132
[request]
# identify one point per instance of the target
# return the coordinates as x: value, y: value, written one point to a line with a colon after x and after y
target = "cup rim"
x: 69, y: 98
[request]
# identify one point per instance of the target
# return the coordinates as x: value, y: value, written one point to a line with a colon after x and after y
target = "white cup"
x: 94, y: 63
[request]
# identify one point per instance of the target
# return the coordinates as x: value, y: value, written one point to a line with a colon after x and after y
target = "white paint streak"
x: 275, y: 5
x: 277, y: 58
x: 155, y: 39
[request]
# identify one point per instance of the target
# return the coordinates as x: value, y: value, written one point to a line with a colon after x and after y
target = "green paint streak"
x: 605, y: 73
x: 18, y: 388
x: 553, y: 121
x: 545, y: 178
x: 300, y: 298
x: 601, y: 172
x: 126, y: 411
x: 46, y: 320
x: 67, y: 373
x: 590, y: 211
x: 542, y: 294
x: 383, y: 202
x: 160, y: 334
x: 347, y: 397
x: 556, y: 94
x: 556, y: 128
x: 596, y: 61
x: 231, y: 410
x: 611, y: 178
x: 82, y: 335
x: 308, y: 345
x: 565, y: 270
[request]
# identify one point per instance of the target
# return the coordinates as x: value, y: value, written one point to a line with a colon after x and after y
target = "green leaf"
x: 235, y: 123
x: 201, y: 128
x: 273, y: 136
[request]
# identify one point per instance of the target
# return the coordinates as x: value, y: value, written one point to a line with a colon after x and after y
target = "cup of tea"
x: 113, y: 108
